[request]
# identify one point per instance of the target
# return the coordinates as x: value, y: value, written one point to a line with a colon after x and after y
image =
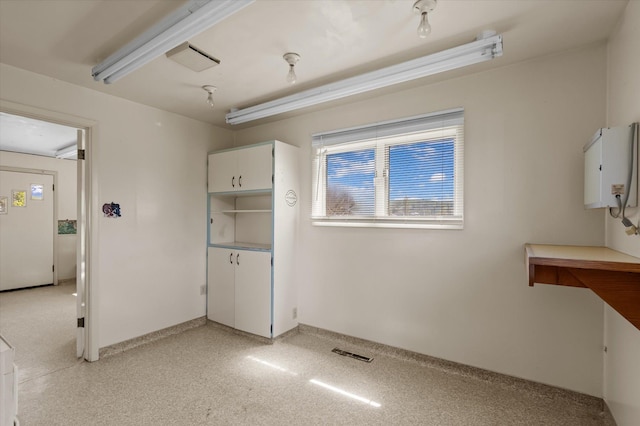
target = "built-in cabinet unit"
x: 253, y: 219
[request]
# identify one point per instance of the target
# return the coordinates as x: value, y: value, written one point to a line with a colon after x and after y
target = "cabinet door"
x: 221, y: 287
x: 253, y: 292
x: 255, y: 167
x: 223, y: 176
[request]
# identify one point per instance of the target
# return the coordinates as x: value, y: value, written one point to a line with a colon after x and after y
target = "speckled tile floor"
x: 209, y: 375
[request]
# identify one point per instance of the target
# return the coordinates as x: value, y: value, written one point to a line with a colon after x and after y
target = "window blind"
x: 400, y: 173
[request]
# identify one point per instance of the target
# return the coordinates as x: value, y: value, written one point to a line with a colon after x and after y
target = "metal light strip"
x: 468, y: 54
x: 186, y: 22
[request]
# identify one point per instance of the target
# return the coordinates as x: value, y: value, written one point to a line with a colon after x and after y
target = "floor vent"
x: 351, y: 355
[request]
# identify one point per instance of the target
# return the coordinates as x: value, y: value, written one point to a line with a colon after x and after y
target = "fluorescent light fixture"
x: 481, y: 50
x: 189, y: 20
x: 68, y: 152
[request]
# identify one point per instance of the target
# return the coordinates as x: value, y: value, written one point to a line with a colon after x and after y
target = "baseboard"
x: 261, y: 339
x: 508, y: 382
x: 607, y: 415
x: 150, y: 337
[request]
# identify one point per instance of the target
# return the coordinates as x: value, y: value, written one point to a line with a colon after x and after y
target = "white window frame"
x: 348, y: 140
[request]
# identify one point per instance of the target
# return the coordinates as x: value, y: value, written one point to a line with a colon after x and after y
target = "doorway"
x: 86, y: 341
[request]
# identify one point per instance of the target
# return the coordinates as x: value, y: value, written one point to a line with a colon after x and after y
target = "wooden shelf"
x: 613, y: 276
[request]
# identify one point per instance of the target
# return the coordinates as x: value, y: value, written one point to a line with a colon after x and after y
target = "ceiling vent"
x: 192, y: 57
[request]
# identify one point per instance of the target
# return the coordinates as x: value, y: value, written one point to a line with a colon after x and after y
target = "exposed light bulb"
x: 424, y: 29
x: 209, y: 89
x: 291, y: 75
x: 292, y: 59
x: 423, y: 8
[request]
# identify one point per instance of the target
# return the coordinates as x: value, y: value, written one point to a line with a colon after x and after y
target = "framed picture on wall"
x: 37, y: 191
x: 4, y: 205
x: 18, y: 198
x: 67, y: 226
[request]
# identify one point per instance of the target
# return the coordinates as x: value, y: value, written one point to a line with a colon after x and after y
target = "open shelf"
x: 243, y: 211
x: 236, y: 194
x: 240, y: 245
x: 613, y: 276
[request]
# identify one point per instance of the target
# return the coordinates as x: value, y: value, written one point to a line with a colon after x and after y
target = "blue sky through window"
x: 417, y: 171
x: 422, y: 170
x: 352, y: 173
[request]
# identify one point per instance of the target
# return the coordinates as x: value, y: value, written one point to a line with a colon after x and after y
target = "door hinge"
x: 271, y: 260
x: 53, y: 268
x: 81, y: 154
x: 53, y: 187
x: 81, y: 322
x: 272, y: 179
x: 273, y: 152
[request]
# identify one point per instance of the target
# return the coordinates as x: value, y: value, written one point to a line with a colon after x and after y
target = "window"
x: 406, y: 173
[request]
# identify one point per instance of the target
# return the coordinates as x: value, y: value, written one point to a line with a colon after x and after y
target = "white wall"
x: 621, y: 366
x: 66, y: 208
x: 150, y: 263
x: 463, y: 295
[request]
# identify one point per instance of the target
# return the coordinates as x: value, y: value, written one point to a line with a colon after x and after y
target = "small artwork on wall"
x: 111, y: 210
x: 67, y: 226
x: 37, y: 191
x: 18, y: 198
x: 4, y: 205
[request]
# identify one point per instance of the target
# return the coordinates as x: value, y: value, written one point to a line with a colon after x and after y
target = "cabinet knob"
x: 233, y: 181
x: 240, y: 181
x: 231, y: 258
x: 238, y: 259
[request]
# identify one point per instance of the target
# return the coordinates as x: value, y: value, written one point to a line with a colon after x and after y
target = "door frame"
x: 90, y: 260
x: 54, y: 229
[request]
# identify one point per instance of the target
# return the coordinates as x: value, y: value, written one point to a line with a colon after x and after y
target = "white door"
x: 253, y: 292
x: 221, y: 288
x: 222, y: 172
x: 255, y: 167
x: 26, y: 229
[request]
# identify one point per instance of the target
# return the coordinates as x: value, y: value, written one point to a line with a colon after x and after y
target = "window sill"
x: 408, y: 224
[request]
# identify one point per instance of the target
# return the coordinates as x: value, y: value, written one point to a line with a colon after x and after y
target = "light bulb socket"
x: 209, y: 89
x: 291, y: 58
x: 424, y: 6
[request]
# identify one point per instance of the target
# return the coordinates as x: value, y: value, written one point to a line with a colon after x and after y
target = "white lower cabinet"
x: 239, y: 292
x: 221, y: 293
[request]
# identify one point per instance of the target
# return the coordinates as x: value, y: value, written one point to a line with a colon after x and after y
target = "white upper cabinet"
x: 246, y: 169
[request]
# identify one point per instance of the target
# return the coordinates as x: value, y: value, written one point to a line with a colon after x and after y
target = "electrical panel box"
x: 608, y: 160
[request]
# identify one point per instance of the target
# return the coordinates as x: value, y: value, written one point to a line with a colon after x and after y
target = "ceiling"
x: 336, y: 39
x: 29, y: 136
